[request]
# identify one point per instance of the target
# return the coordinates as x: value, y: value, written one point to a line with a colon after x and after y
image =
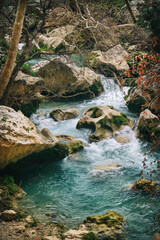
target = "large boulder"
x: 66, y: 80
x: 24, y: 93
x: 20, y: 138
x: 148, y: 127
x: 106, y: 226
x: 135, y: 100
x: 60, y: 115
x: 108, y: 62
x: 104, y: 121
x: 55, y: 39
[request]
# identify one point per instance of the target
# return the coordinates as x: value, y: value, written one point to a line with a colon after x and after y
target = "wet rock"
x: 60, y: 115
x: 104, y: 121
x: 145, y: 185
x: 135, y: 100
x: 9, y: 215
x: 75, y: 234
x: 75, y: 146
x: 157, y: 236
x: 106, y: 226
x: 148, y: 126
x: 66, y: 80
x: 19, y: 137
x: 108, y: 62
x: 122, y: 139
x: 108, y: 167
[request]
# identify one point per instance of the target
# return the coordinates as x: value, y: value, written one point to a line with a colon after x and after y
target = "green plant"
x: 8, y: 185
x: 26, y: 68
x: 4, y: 119
x: 44, y: 47
x: 119, y: 120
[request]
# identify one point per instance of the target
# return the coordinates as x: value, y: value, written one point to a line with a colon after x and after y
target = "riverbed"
x: 67, y: 191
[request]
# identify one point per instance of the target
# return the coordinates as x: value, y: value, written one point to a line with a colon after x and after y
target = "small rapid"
x: 72, y: 189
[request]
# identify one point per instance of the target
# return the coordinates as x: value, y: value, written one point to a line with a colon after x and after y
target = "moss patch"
x: 97, y: 88
x: 145, y: 185
x: 120, y: 120
x: 110, y: 218
x: 75, y: 146
x: 89, y: 236
x: 136, y: 104
x: 28, y: 109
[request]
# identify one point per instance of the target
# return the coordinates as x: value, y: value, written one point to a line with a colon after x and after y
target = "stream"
x: 67, y: 191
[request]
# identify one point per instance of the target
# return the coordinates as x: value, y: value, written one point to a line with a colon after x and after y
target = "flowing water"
x: 67, y: 191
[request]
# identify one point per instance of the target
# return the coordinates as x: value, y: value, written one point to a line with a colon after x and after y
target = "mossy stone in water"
x: 110, y: 218
x: 75, y: 146
x: 145, y: 185
x: 135, y: 105
x: 89, y: 236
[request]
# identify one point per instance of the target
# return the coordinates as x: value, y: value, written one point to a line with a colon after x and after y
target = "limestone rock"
x: 66, y: 80
x: 8, y: 215
x: 108, y: 167
x: 106, y: 226
x: 50, y: 238
x: 145, y: 185
x: 60, y: 115
x: 112, y: 60
x: 19, y: 137
x: 104, y: 121
x: 56, y: 38
x: 75, y: 234
x: 135, y: 100
x: 122, y: 139
x: 73, y: 144
x: 148, y: 126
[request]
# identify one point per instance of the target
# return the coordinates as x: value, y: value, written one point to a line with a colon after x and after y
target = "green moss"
x: 94, y: 111
x: 120, y: 120
x: 89, y: 236
x: 147, y: 131
x: 110, y: 218
x: 26, y: 68
x: 75, y: 146
x: 8, y: 185
x: 136, y: 104
x: 97, y: 88
x: 44, y: 47
x: 106, y: 123
x: 145, y: 185
x: 28, y: 109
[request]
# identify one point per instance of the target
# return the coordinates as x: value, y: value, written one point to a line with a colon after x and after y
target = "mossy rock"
x: 110, y: 218
x: 29, y: 108
x: 145, y: 185
x: 97, y: 88
x: 135, y: 105
x: 89, y: 236
x: 75, y: 146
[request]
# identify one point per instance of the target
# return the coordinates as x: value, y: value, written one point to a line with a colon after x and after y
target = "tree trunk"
x: 130, y: 11
x: 13, y: 49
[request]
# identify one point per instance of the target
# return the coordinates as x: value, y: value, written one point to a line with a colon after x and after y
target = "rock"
x: 104, y: 121
x: 148, y: 126
x: 108, y: 167
x: 75, y: 234
x: 135, y: 100
x: 20, y: 228
x: 108, y: 62
x: 30, y: 221
x: 145, y: 185
x: 60, y: 115
x: 106, y: 226
x: 20, y: 138
x: 156, y: 237
x: 66, y: 80
x: 56, y: 38
x: 25, y: 89
x: 75, y: 146
x: 50, y: 238
x: 9, y: 215
x: 122, y: 139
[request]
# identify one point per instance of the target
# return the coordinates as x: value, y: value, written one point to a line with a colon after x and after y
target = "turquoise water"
x: 72, y: 189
